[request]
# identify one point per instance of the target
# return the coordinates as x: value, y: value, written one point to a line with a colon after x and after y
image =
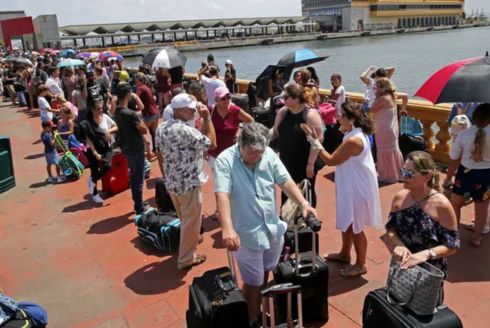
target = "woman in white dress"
x: 356, y: 185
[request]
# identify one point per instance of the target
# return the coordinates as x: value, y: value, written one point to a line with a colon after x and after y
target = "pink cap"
x: 221, y: 92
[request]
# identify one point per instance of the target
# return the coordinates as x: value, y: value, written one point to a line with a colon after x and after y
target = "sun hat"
x: 220, y: 92
x: 229, y: 62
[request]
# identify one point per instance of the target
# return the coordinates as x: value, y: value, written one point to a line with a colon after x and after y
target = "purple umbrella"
x: 84, y: 55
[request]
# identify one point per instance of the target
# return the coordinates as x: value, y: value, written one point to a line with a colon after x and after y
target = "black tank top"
x: 294, y: 149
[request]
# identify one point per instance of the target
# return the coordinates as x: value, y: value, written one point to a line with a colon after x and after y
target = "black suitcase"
x: 216, y: 301
x: 241, y: 100
x: 268, y: 301
x: 162, y: 198
x: 311, y: 273
x: 378, y: 312
x: 263, y: 115
x: 408, y: 143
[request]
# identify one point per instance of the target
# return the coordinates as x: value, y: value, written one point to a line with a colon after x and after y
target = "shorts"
x: 253, y: 264
x: 52, y: 158
x: 472, y: 183
x: 150, y: 119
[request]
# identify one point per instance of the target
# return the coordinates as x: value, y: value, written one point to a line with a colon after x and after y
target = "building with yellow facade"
x: 351, y: 15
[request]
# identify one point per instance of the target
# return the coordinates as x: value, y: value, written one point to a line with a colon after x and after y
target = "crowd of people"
x: 157, y: 118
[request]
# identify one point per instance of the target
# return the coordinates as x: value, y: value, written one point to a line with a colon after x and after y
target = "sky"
x: 121, y: 11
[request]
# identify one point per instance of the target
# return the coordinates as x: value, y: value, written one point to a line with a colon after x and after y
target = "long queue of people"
x: 201, y: 123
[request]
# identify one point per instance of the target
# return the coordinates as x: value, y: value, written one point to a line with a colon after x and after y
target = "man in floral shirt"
x: 180, y: 148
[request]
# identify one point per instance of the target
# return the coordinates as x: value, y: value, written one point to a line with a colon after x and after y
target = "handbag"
x: 290, y: 210
x: 411, y: 126
x: 417, y: 288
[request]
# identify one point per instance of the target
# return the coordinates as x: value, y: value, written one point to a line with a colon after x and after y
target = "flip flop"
x: 335, y: 257
x: 352, y: 271
x: 198, y: 259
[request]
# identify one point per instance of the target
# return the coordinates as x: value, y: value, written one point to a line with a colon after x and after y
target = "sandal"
x: 336, y: 257
x: 351, y: 271
x: 476, y: 242
x: 471, y: 227
x: 198, y: 259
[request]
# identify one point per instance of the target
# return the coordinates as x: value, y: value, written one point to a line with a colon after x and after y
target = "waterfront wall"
x: 433, y: 118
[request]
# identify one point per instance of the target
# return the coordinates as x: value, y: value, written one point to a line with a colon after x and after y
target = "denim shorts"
x: 52, y: 158
x: 150, y: 119
x: 472, y: 183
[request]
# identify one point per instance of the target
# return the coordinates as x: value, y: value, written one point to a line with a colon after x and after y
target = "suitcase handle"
x: 232, y: 265
x: 268, y: 297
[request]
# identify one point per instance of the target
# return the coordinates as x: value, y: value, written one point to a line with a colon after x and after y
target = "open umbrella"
x: 299, y: 58
x: 70, y: 63
x: 17, y: 60
x: 464, y: 80
x: 84, y: 54
x: 105, y: 55
x: 164, y: 58
x: 65, y: 53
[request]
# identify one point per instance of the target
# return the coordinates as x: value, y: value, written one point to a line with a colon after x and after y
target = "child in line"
x: 65, y: 125
x: 50, y: 153
x: 47, y: 113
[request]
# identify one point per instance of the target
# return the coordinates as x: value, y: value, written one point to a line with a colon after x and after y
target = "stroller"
x: 68, y: 163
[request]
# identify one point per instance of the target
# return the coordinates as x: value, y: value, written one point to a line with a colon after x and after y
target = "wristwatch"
x: 432, y: 254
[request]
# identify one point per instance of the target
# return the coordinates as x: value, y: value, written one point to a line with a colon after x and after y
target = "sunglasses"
x: 407, y: 173
x: 228, y: 97
x: 286, y: 97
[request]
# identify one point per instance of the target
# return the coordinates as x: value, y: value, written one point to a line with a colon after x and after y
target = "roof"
x: 172, y: 25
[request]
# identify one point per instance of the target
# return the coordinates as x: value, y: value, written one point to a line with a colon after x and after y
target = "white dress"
x: 356, y: 186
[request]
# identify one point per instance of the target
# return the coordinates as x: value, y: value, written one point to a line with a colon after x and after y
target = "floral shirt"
x: 418, y: 231
x: 183, y: 149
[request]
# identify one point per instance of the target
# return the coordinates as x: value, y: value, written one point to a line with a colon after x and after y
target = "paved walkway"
x: 87, y: 267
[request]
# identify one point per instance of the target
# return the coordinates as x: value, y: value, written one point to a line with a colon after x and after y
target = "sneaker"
x: 97, y: 199
x: 91, y: 185
x: 51, y: 180
x: 60, y: 179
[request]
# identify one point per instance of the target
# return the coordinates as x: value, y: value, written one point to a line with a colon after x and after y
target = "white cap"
x: 229, y: 62
x: 183, y: 100
x: 459, y: 123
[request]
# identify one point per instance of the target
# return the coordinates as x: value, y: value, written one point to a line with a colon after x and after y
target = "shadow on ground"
x: 156, y: 278
x: 34, y: 156
x: 111, y: 224
x: 147, y: 249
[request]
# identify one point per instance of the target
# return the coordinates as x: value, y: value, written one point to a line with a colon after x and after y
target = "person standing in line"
x: 246, y: 175
x: 210, y: 83
x: 356, y: 188
x: 181, y: 149
x: 131, y: 130
x: 50, y: 153
x: 230, y: 76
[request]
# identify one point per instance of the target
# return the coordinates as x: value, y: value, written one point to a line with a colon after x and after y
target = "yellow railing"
x: 438, y: 143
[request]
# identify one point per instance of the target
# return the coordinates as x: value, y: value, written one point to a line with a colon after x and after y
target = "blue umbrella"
x: 70, y: 63
x: 299, y: 58
x: 65, y: 53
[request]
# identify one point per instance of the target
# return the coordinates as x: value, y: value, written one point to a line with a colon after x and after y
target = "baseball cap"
x: 123, y: 76
x: 459, y: 123
x: 183, y: 100
x: 220, y: 92
x: 229, y: 62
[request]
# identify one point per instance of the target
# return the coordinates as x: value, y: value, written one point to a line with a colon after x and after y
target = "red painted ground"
x: 86, y: 266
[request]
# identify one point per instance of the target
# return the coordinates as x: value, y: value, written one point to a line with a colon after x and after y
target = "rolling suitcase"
x: 68, y: 163
x: 162, y: 198
x: 268, y: 296
x: 310, y: 271
x: 379, y: 312
x: 305, y: 233
x: 216, y: 301
x: 117, y: 179
x: 241, y: 100
x: 263, y: 115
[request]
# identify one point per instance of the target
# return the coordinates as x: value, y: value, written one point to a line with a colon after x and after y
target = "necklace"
x: 418, y: 202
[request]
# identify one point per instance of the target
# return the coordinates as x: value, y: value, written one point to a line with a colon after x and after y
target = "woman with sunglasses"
x: 470, y: 156
x: 226, y: 118
x: 357, y: 193
x: 388, y: 154
x: 98, y: 128
x: 294, y: 149
x: 422, y: 225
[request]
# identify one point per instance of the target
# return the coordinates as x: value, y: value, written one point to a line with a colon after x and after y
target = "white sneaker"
x: 60, y: 179
x: 91, y: 185
x: 97, y: 199
x: 51, y: 180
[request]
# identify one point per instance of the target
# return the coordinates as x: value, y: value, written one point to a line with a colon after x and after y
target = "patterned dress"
x: 418, y: 231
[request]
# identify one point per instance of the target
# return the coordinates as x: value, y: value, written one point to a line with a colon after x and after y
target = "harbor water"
x: 414, y: 56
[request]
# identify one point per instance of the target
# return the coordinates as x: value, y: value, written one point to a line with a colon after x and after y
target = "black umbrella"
x: 164, y: 58
x: 464, y: 80
x: 299, y: 58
